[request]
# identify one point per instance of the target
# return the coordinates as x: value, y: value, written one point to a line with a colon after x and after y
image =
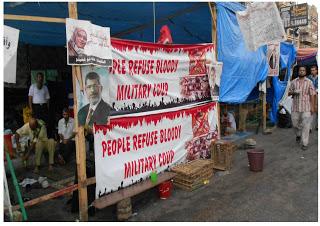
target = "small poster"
x: 273, y: 55
x: 214, y: 75
x: 88, y: 43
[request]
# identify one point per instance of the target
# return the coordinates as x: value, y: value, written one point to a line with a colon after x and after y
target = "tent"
x: 278, y: 90
x: 189, y: 22
x: 242, y: 69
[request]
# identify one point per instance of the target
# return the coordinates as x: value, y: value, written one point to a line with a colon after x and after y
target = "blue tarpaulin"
x: 242, y: 69
x: 189, y: 22
x: 287, y: 58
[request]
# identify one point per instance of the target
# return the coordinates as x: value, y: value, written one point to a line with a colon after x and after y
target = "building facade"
x: 303, y: 36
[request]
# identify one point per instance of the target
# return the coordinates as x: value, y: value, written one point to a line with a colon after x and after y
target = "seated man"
x: 37, y: 132
x: 228, y: 124
x: 66, y: 133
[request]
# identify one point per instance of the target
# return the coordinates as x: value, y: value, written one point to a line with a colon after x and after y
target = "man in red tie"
x: 96, y: 111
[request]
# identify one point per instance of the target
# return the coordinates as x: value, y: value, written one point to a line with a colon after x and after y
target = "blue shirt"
x: 314, y: 81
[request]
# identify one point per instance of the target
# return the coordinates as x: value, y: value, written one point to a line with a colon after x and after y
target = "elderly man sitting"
x: 37, y: 132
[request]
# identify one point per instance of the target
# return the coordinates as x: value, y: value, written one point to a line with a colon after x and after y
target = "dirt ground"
x: 286, y: 190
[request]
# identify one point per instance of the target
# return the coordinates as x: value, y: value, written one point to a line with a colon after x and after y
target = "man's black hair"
x: 305, y: 67
x: 65, y: 110
x: 92, y: 76
x: 40, y: 74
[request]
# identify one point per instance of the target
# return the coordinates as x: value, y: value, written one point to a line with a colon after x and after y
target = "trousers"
x: 67, y: 150
x: 301, y: 122
x: 45, y: 145
x: 314, y: 123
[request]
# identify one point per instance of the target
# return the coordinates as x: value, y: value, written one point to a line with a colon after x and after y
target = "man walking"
x: 303, y: 94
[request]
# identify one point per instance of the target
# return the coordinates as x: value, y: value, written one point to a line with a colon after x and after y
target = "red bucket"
x: 8, y: 144
x: 255, y: 157
x: 165, y: 189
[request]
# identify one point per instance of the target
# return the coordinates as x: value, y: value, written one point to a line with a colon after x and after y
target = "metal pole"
x: 16, y: 185
x: 7, y: 194
x: 154, y: 22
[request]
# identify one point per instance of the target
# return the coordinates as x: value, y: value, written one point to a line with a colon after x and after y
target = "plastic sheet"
x: 242, y: 69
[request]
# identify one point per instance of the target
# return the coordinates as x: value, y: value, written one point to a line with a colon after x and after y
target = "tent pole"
x: 213, y: 12
x: 264, y: 107
x: 34, y: 18
x: 80, y: 140
x: 154, y: 22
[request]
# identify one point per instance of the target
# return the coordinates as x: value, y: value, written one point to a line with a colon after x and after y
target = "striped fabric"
x: 301, y: 103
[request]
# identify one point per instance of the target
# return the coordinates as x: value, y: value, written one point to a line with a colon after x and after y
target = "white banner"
x: 129, y: 148
x: 146, y: 77
x: 261, y: 24
x: 10, y: 47
x: 87, y: 43
x: 154, y: 76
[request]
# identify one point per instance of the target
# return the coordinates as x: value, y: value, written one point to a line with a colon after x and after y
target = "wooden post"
x: 242, y: 118
x: 34, y: 18
x: 80, y: 140
x: 62, y: 191
x: 264, y: 106
x: 214, y: 41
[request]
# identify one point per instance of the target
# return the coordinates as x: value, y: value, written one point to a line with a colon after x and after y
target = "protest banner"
x: 130, y: 148
x: 261, y: 24
x: 147, y: 76
x: 87, y: 43
x: 10, y: 47
x: 273, y: 55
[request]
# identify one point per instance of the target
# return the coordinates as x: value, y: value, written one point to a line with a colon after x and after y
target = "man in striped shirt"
x: 303, y: 106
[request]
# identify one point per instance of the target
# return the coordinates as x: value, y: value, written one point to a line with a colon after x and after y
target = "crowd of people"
x: 62, y: 150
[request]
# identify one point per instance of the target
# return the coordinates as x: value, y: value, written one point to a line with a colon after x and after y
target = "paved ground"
x: 286, y: 190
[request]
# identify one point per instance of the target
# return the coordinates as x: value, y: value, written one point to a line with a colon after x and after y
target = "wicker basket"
x: 193, y: 175
x: 221, y: 154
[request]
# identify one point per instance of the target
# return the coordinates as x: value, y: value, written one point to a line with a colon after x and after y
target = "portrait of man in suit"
x: 96, y: 111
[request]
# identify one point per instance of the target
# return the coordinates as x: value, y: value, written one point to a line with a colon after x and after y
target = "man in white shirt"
x: 66, y: 134
x: 228, y: 123
x: 39, y: 99
x: 36, y: 130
